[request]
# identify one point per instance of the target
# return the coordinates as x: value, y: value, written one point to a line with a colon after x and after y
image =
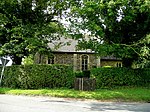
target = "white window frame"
x: 86, y: 64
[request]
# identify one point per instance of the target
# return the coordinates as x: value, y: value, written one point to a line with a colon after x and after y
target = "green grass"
x: 122, y: 94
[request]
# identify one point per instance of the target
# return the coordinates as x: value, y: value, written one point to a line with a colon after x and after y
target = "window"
x: 51, y: 60
x: 84, y: 62
x: 119, y: 64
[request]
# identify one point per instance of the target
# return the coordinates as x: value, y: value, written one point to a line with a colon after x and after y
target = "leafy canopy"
x: 27, y: 26
x: 117, y: 27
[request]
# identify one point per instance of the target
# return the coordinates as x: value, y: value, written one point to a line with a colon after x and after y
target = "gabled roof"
x: 66, y: 45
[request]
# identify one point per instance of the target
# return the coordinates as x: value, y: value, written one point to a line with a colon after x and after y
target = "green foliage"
x: 26, y: 26
x: 79, y: 74
x: 82, y: 74
x: 86, y: 73
x: 28, y: 60
x: 118, y: 27
x: 116, y: 77
x: 38, y: 76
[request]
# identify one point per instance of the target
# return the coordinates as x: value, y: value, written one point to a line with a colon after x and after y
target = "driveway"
x: 10, y: 103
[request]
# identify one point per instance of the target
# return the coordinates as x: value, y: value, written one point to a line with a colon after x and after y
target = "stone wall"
x: 75, y: 60
x: 65, y: 58
x: 40, y: 59
x: 113, y: 63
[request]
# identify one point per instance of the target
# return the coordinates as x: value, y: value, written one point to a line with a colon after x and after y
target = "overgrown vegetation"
x: 121, y: 94
x: 120, y: 28
x: 58, y: 76
x: 27, y: 26
x: 38, y: 76
x: 81, y: 74
x: 117, y: 77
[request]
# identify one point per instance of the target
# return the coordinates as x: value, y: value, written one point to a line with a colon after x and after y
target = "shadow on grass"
x: 4, y: 90
x: 119, y: 95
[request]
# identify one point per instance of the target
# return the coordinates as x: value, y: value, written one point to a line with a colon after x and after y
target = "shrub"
x: 28, y: 60
x: 78, y: 74
x: 82, y: 74
x: 86, y: 73
x: 113, y: 77
x: 38, y: 76
x: 145, y: 76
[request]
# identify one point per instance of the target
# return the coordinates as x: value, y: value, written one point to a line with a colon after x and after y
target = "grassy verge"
x: 122, y: 94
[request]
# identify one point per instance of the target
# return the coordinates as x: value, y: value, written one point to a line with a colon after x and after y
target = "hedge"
x: 57, y: 76
x: 114, y: 77
x: 38, y: 76
x: 81, y: 74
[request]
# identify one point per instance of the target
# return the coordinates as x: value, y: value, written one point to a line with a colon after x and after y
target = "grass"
x: 135, y: 94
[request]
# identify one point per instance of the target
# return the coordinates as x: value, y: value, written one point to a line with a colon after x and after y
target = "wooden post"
x: 85, y: 84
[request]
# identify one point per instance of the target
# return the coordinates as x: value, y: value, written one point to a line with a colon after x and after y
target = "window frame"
x: 51, y: 60
x: 84, y: 62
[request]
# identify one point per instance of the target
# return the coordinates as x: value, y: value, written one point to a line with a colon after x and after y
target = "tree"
x: 27, y: 26
x: 119, y: 27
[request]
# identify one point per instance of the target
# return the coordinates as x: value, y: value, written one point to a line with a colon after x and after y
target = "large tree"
x: 118, y: 27
x: 26, y: 26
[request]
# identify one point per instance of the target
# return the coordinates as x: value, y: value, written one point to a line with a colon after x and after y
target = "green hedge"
x: 81, y: 74
x: 38, y: 76
x: 114, y: 77
x: 57, y: 76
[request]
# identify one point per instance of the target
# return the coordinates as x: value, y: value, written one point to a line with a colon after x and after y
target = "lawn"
x: 134, y: 94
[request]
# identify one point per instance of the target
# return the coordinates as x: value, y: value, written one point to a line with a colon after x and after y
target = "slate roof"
x: 68, y: 45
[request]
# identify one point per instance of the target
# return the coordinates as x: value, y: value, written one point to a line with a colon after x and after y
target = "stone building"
x: 80, y: 60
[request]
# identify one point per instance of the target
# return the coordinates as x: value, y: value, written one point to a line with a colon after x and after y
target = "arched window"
x: 119, y: 64
x: 51, y: 60
x: 84, y: 62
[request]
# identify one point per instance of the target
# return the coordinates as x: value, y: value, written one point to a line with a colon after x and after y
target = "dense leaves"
x: 38, y: 76
x: 121, y: 25
x: 26, y: 26
x: 116, y: 77
x: 57, y: 76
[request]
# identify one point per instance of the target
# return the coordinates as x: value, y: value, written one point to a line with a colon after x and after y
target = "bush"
x: 145, y: 76
x: 82, y: 74
x: 79, y: 74
x: 114, y: 77
x: 86, y: 73
x: 38, y: 76
x: 28, y: 60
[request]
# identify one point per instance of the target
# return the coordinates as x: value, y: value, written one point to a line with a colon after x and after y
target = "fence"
x: 85, y: 84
